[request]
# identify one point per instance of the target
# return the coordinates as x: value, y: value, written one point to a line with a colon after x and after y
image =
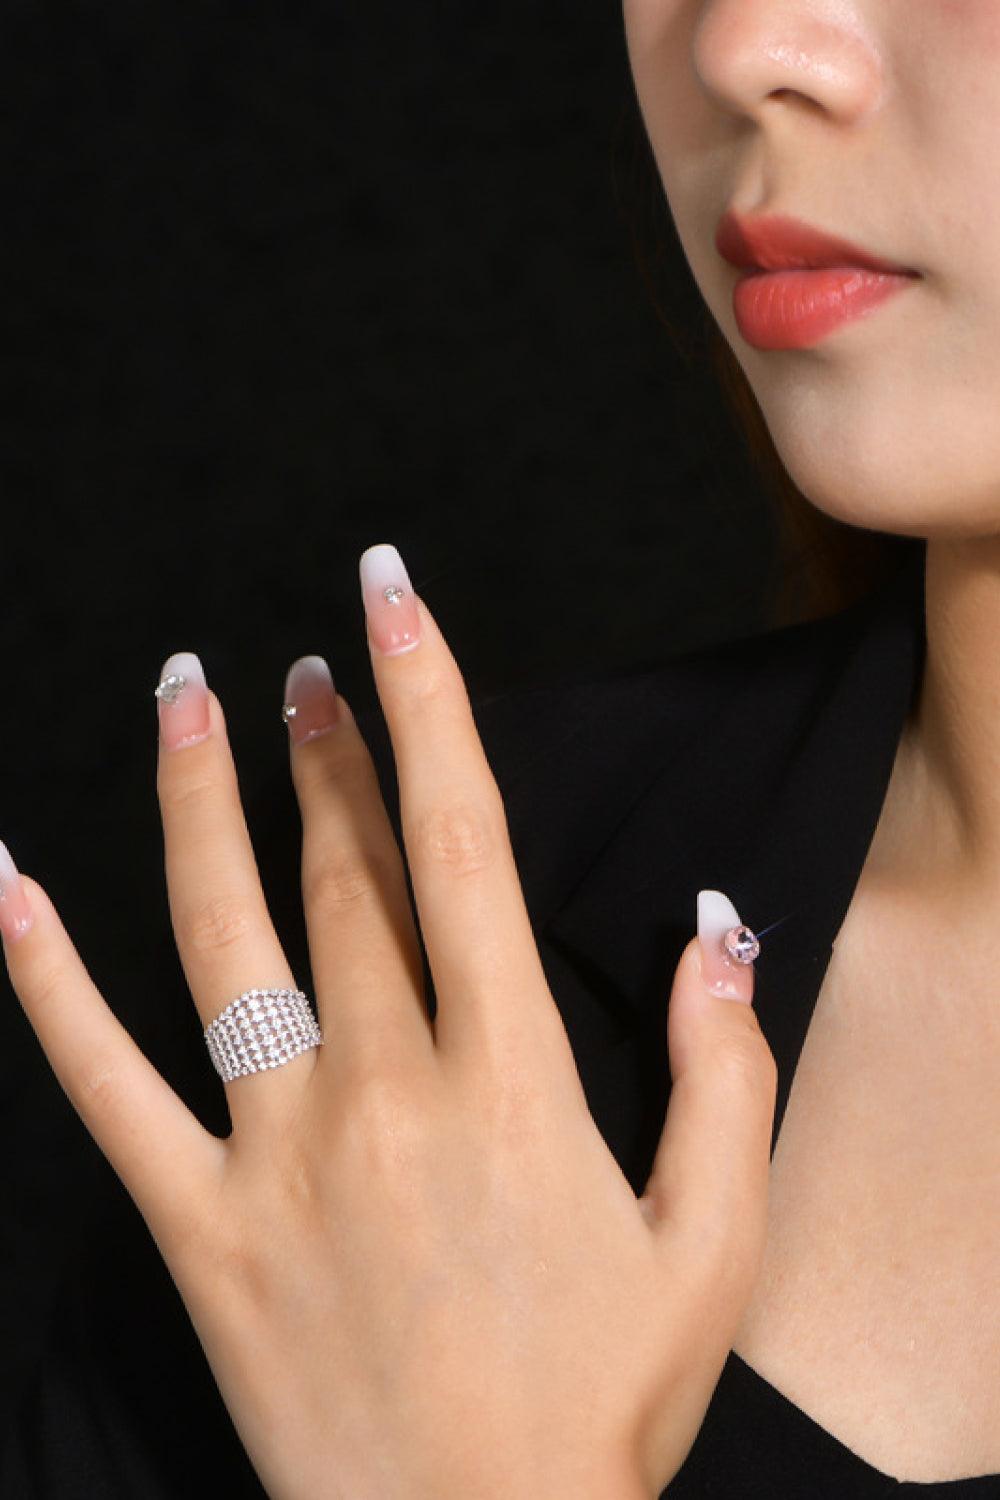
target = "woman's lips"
x: 796, y: 309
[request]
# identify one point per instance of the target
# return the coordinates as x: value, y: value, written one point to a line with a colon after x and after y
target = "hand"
x: 414, y: 1266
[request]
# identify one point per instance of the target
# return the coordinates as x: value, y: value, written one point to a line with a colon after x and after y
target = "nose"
x: 752, y: 56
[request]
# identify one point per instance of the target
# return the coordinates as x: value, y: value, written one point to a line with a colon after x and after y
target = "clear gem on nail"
x: 742, y: 944
x: 170, y: 688
x: 393, y: 594
x: 288, y: 711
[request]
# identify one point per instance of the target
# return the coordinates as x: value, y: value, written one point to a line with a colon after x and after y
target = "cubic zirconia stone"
x: 170, y: 689
x: 742, y: 944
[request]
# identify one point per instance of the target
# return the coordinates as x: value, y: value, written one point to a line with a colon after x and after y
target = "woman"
x: 875, y: 1310
x: 456, y: 1249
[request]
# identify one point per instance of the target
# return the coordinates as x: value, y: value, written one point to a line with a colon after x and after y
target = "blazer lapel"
x: 758, y: 768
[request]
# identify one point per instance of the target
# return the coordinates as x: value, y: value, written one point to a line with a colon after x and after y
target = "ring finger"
x: 225, y: 937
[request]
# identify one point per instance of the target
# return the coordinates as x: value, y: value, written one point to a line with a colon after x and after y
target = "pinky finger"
x: 163, y: 1155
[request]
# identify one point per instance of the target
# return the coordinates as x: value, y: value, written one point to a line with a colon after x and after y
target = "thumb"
x: 710, y: 1174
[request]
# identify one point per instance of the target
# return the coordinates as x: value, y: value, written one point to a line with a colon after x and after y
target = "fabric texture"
x: 757, y: 767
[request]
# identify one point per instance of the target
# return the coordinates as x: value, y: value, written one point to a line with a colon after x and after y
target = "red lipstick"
x: 799, y: 284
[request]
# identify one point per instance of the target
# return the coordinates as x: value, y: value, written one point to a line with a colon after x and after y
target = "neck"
x: 942, y: 816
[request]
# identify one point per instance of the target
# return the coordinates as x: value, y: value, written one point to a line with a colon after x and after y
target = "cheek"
x: 652, y: 25
x: 969, y: 27
x: 659, y: 36
x: 949, y: 85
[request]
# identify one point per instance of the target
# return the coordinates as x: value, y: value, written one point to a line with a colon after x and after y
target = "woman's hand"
x: 414, y: 1266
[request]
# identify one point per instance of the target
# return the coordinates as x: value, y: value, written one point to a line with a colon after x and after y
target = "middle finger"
x: 363, y: 945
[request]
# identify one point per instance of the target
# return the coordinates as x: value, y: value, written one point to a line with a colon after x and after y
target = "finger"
x: 363, y: 945
x: 488, y: 978
x: 225, y: 938
x: 709, y: 1183
x: 160, y: 1151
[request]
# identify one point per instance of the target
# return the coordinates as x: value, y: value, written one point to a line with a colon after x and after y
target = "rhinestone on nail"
x: 742, y: 944
x: 288, y: 711
x: 170, y: 688
x: 393, y: 594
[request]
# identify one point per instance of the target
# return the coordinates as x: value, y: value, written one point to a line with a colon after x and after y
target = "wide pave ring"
x: 261, y: 1029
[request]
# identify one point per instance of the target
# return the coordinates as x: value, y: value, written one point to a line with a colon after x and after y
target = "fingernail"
x: 15, y: 913
x: 310, y: 707
x: 182, y: 701
x: 389, y: 601
x: 722, y: 974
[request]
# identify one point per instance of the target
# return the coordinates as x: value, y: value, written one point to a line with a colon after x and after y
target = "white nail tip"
x: 183, y: 664
x: 716, y: 915
x: 381, y: 565
x: 311, y: 670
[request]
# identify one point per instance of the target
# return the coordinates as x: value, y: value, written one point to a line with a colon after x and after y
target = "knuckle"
x: 98, y: 1096
x: 463, y: 838
x: 331, y: 758
x: 216, y: 1260
x: 302, y: 1184
x: 515, y: 1107
x: 97, y: 1085
x: 44, y: 985
x: 383, y: 1129
x: 188, y: 787
x: 338, y: 880
x: 745, y: 1062
x: 214, y: 923
x: 432, y: 688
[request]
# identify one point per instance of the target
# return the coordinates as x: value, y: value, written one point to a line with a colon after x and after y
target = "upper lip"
x: 780, y: 243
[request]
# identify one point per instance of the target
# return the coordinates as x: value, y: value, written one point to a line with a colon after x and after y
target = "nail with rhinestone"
x: 727, y: 948
x: 15, y: 913
x: 182, y: 701
x: 389, y: 600
x: 310, y: 707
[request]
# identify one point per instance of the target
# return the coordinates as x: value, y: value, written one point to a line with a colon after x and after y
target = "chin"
x: 905, y: 478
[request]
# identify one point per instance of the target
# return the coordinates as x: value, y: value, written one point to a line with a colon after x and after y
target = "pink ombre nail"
x: 182, y: 701
x: 389, y: 600
x: 310, y: 707
x: 723, y: 975
x: 15, y: 913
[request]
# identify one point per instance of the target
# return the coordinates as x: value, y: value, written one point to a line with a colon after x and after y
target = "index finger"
x: 488, y: 977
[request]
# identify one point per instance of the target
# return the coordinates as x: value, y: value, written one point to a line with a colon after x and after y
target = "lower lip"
x: 795, y: 309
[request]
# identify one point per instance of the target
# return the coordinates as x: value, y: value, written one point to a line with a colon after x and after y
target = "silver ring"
x: 261, y: 1029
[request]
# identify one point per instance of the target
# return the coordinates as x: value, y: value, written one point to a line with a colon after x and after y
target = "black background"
x: 281, y: 281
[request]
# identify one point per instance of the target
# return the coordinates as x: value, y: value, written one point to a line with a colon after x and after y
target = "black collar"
x: 757, y: 767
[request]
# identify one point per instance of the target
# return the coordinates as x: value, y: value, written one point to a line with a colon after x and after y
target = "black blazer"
x: 757, y: 767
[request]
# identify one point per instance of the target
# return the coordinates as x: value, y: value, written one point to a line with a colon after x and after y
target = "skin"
x: 414, y: 1266
x: 879, y: 120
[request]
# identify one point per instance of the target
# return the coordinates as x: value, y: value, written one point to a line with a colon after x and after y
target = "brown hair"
x: 823, y: 564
